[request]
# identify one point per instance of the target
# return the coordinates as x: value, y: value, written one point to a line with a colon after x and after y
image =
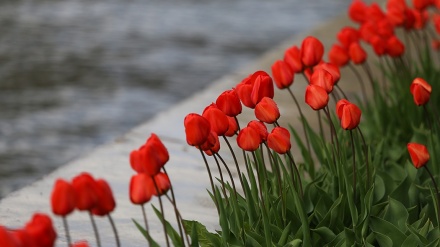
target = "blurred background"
x: 78, y: 73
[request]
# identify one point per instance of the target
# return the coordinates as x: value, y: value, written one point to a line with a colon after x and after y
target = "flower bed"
x: 367, y: 176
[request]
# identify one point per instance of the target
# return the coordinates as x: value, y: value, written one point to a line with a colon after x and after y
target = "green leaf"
x: 205, y: 238
x: 285, y: 234
x: 172, y: 233
x: 325, y: 233
x: 383, y: 227
x: 396, y: 214
x: 147, y: 236
x: 294, y: 243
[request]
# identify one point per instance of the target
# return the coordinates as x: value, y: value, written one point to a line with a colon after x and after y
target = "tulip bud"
x: 379, y: 45
x: 394, y: 47
x: 217, y: 119
x: 212, y: 144
x: 332, y: 69
x: 229, y: 103
x: 163, y: 184
x: 357, y: 53
x: 292, y: 57
x: 374, y: 12
x: 197, y: 129
x: 338, y: 55
x: 233, y: 127
x: 311, y: 51
x: 260, y: 127
x: 357, y: 11
x: 262, y: 87
x: 249, y: 139
x: 348, y: 113
x: 419, y: 154
x: 85, y: 191
x: 348, y: 35
x: 282, y: 74
x: 41, y: 231
x: 106, y: 202
x: 316, y: 97
x: 267, y: 111
x: 322, y: 78
x: 421, y: 91
x: 279, y: 140
x: 6, y: 239
x: 62, y: 198
x: 141, y: 188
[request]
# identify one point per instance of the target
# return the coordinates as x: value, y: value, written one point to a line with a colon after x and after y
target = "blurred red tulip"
x: 357, y: 53
x: 62, y: 198
x: 338, y: 55
x: 106, y: 202
x: 379, y: 45
x: 81, y: 243
x: 41, y: 231
x: 421, y: 91
x: 419, y: 154
x: 163, y: 184
x: 292, y: 57
x: 394, y: 47
x: 282, y: 74
x: 7, y: 239
x: 233, y: 127
x: 332, y: 69
x: 348, y: 35
x: 85, y: 191
x: 357, y: 11
x: 322, y: 78
x: 141, y: 188
x: 311, y: 51
x: 260, y: 127
x: 316, y: 97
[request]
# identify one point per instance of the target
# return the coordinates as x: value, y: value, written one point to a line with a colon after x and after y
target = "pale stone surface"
x: 186, y: 168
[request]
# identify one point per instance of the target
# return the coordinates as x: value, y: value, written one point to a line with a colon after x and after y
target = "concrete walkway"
x: 186, y: 169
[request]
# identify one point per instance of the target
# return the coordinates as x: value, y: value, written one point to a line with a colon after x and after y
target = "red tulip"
x: 421, y: 4
x: 217, y: 119
x: 385, y: 29
x: 374, y: 12
x: 410, y: 19
x: 368, y: 30
x: 421, y: 91
x: 282, y: 74
x: 249, y: 139
x: 85, y: 191
x: 141, y: 188
x: 357, y: 11
x: 197, y: 129
x: 260, y: 127
x: 163, y: 184
x: 396, y: 12
x: 106, y: 202
x: 229, y: 103
x: 262, y: 87
x: 421, y: 18
x: 316, y: 97
x: 332, y: 69
x: 436, y: 21
x: 292, y: 57
x: 279, y: 140
x: 41, y: 231
x: 419, y: 154
x: 357, y: 53
x: 267, y: 111
x: 150, y: 157
x: 348, y: 35
x: 244, y: 91
x: 212, y: 144
x: 322, y: 78
x: 233, y: 127
x: 394, y: 47
x: 311, y: 51
x: 62, y: 198
x: 348, y: 113
x: 338, y: 55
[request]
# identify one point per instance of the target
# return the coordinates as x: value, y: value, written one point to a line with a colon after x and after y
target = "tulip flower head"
x: 41, y: 231
x: 419, y: 154
x: 249, y: 139
x: 229, y: 103
x: 357, y: 11
x: 212, y: 144
x: 421, y: 91
x: 322, y: 78
x: 357, y: 53
x: 260, y: 127
x: 338, y: 55
x: 217, y: 119
x: 150, y: 157
x: 197, y: 129
x: 106, y: 202
x: 279, y: 140
x: 292, y: 57
x: 233, y: 127
x: 163, y: 184
x: 62, y: 198
x: 267, y: 111
x: 394, y: 47
x: 316, y: 97
x: 311, y: 51
x: 282, y: 74
x: 348, y: 113
x: 141, y: 188
x: 348, y: 35
x: 85, y: 191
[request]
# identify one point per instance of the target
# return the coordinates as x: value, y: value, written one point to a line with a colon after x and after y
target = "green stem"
x: 95, y: 229
x: 162, y: 211
x: 115, y: 231
x: 437, y: 193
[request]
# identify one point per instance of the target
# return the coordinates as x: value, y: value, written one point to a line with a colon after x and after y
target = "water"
x: 75, y: 74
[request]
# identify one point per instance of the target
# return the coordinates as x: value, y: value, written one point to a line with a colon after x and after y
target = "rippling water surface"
x: 75, y: 74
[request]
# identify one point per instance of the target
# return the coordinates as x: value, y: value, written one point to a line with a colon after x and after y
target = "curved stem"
x: 367, y: 166
x: 437, y: 194
x: 144, y: 214
x: 259, y: 179
x: 66, y: 228
x: 95, y: 229
x: 176, y: 211
x: 292, y: 164
x: 229, y: 172
x: 235, y: 161
x: 221, y: 177
x: 210, y: 178
x: 354, y: 165
x: 162, y: 211
x: 115, y: 231
x: 361, y: 81
x: 178, y: 216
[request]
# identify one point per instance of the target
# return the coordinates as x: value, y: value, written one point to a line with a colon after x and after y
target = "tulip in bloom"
x: 279, y: 140
x: 267, y: 111
x: 357, y: 53
x: 421, y: 91
x: 197, y: 129
x: 348, y: 113
x: 106, y: 202
x: 260, y: 127
x: 282, y: 74
x: 322, y: 78
x: 62, y: 198
x: 292, y: 57
x: 141, y: 188
x: 338, y: 55
x: 217, y: 119
x: 419, y: 154
x: 229, y: 103
x: 249, y: 139
x: 311, y: 51
x: 394, y: 47
x: 41, y: 231
x: 316, y: 97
